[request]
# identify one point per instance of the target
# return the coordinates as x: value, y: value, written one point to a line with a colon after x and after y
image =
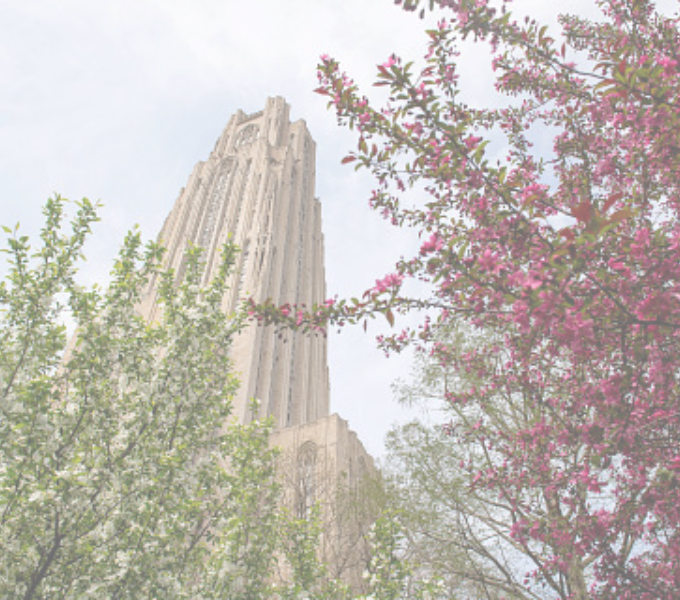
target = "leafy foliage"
x: 389, y: 575
x: 120, y: 474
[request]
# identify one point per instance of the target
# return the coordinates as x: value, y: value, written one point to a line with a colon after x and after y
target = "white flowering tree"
x: 118, y: 476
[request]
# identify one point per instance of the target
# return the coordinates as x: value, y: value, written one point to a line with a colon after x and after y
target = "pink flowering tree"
x: 552, y: 224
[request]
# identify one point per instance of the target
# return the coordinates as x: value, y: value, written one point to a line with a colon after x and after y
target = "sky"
x: 116, y: 100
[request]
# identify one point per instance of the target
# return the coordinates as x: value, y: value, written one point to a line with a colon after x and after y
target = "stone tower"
x: 257, y: 186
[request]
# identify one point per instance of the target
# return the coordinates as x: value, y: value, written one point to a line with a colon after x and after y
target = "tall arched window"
x: 247, y: 135
x: 218, y: 194
x: 306, y: 480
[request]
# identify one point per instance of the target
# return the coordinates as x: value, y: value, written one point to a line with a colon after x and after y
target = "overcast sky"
x: 117, y: 100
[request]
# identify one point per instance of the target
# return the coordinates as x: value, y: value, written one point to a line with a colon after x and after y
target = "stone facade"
x: 257, y: 188
x: 325, y: 461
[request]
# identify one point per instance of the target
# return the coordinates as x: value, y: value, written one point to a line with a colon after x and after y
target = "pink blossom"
x: 391, y: 281
x: 390, y: 62
x: 667, y: 62
x: 471, y: 142
x: 434, y: 244
x: 489, y: 261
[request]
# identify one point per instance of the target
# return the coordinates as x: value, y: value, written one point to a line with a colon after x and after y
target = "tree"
x: 448, y: 531
x: 569, y: 257
x: 389, y: 575
x: 120, y: 474
x: 455, y: 528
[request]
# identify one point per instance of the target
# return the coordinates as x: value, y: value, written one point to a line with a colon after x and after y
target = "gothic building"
x: 257, y: 187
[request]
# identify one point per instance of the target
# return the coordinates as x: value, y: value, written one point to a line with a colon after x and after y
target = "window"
x: 306, y: 480
x: 218, y: 196
x: 245, y: 265
x: 246, y: 136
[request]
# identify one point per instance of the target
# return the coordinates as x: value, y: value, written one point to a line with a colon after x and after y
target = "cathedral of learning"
x: 257, y: 187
